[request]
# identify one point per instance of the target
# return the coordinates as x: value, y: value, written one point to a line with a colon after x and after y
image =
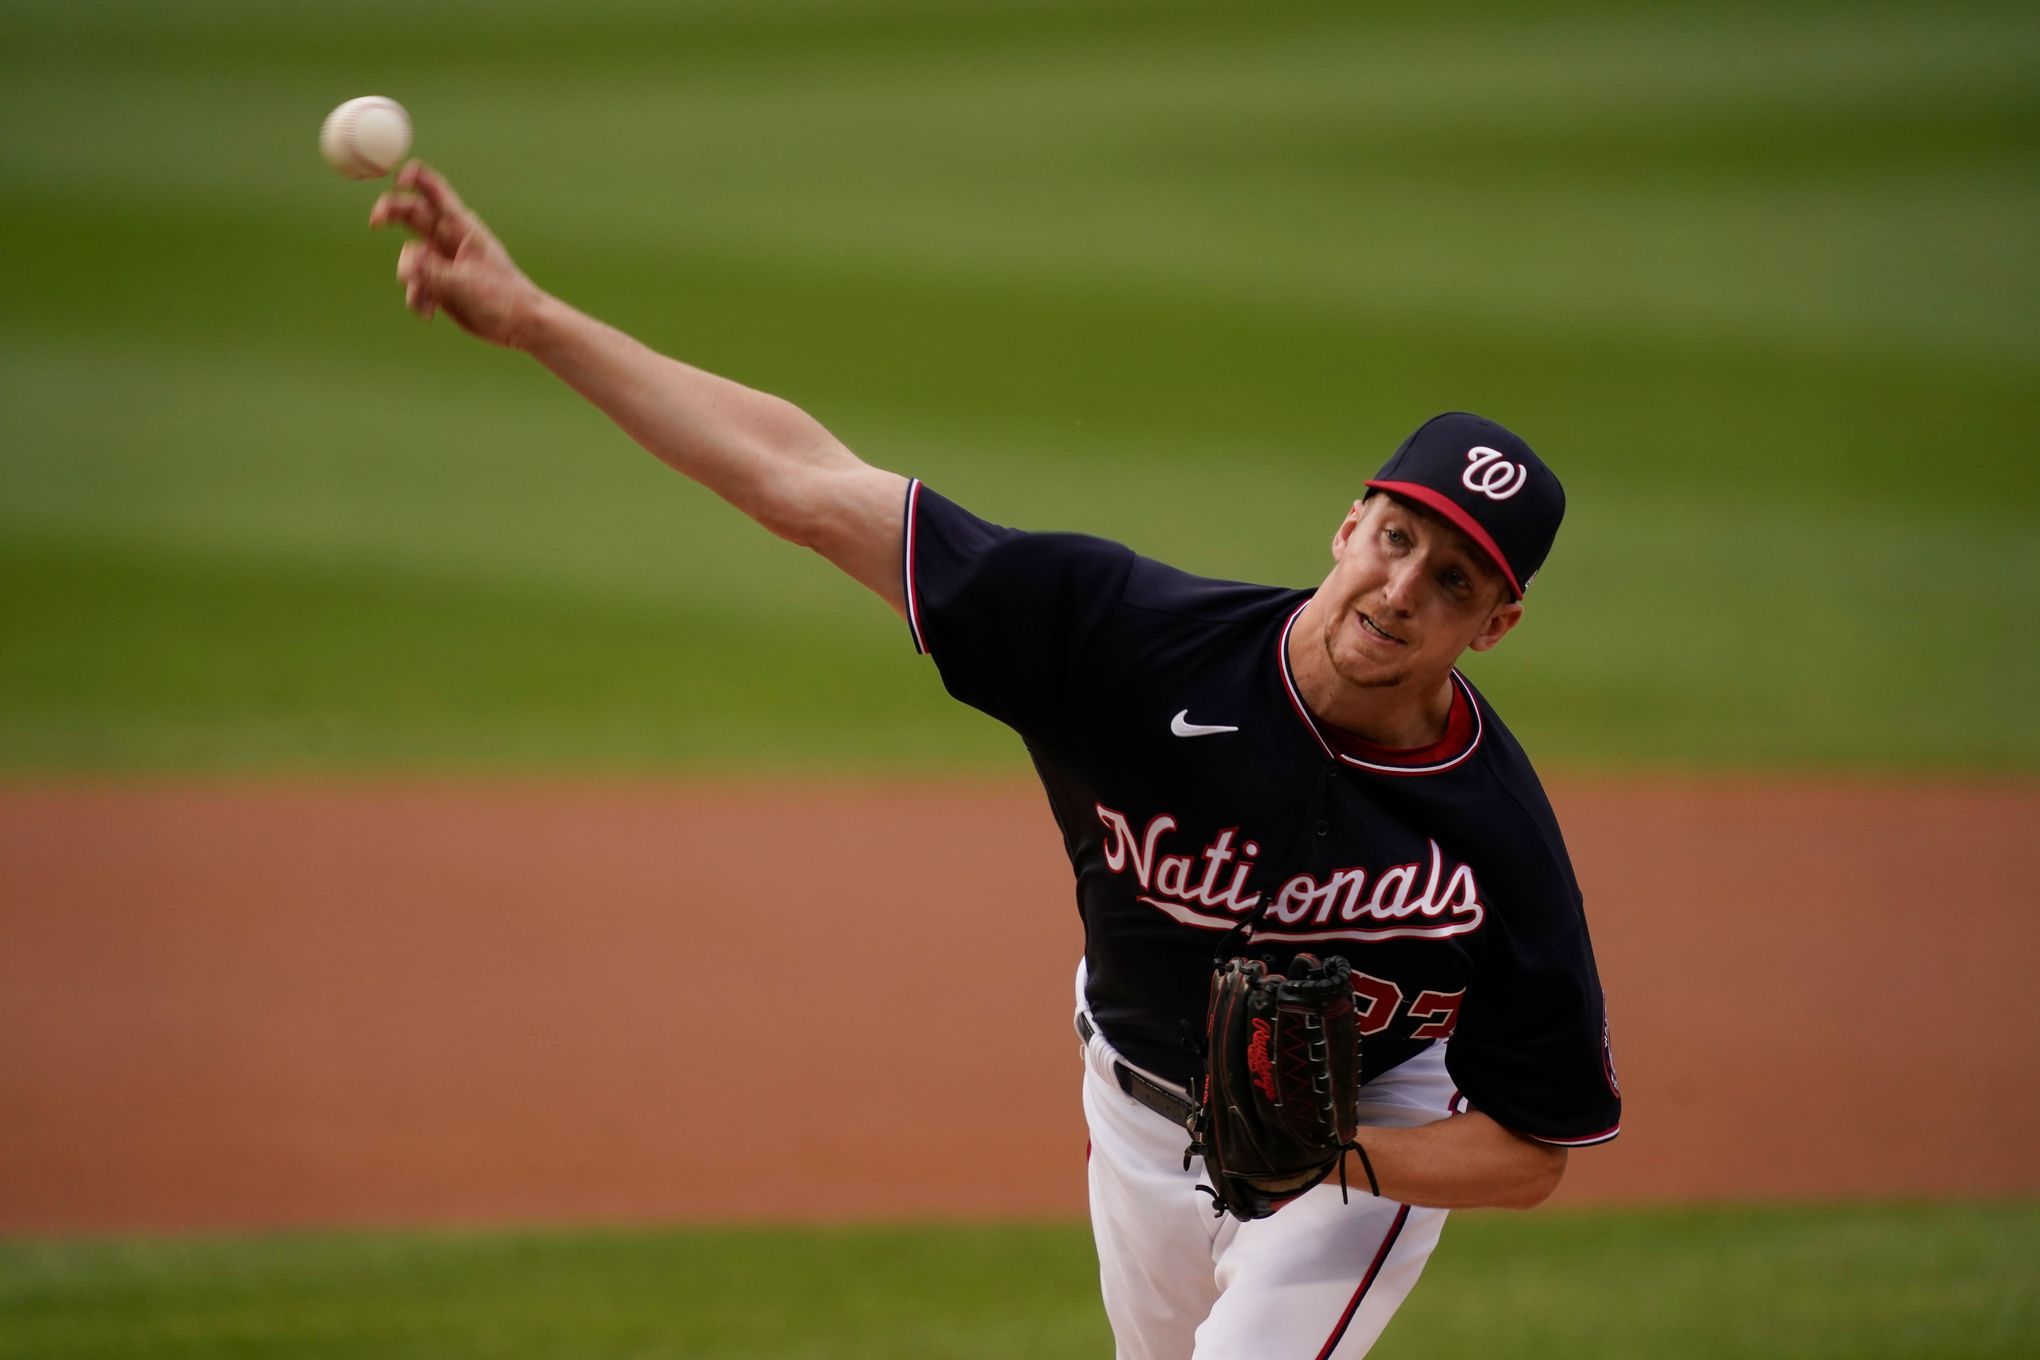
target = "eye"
x: 1394, y: 535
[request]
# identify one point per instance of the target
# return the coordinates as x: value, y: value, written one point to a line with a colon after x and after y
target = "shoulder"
x: 1159, y: 589
x: 939, y: 534
x: 949, y: 550
x: 1045, y: 631
x: 958, y: 567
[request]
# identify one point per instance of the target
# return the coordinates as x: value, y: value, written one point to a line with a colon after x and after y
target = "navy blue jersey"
x: 1207, y: 814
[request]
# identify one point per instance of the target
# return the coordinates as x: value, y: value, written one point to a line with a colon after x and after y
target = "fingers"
x: 418, y: 216
x: 426, y: 205
x: 452, y: 263
x: 418, y: 271
x: 403, y: 210
x: 429, y: 182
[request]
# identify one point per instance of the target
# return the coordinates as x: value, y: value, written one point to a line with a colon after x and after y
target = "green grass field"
x: 1761, y: 280
x: 1937, y: 1283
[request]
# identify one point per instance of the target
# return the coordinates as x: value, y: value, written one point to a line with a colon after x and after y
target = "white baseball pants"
x: 1318, y: 1280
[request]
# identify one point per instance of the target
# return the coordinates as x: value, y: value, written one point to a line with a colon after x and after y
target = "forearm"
x: 757, y: 451
x: 741, y: 444
x: 761, y: 454
x: 1465, y: 1162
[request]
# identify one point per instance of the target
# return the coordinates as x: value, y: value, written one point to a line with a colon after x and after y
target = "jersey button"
x: 1323, y: 827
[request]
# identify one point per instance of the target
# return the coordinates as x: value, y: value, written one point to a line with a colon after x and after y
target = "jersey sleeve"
x: 1017, y: 623
x: 1532, y: 1047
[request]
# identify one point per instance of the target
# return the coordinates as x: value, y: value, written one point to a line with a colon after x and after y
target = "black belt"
x: 1165, y: 1101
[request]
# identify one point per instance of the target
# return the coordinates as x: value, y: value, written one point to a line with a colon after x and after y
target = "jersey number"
x: 1379, y: 999
x: 1440, y: 1013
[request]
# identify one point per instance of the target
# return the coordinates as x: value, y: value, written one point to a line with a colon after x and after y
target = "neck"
x: 1411, y: 711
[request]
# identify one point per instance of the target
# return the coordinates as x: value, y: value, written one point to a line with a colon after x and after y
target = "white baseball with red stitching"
x: 366, y: 138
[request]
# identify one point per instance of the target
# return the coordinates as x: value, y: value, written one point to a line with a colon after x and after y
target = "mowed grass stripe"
x: 1947, y: 1282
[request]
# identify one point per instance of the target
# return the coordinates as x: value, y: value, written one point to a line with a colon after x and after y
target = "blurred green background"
x: 1760, y: 280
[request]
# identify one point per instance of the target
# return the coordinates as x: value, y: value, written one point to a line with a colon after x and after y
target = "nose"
x: 1398, y: 593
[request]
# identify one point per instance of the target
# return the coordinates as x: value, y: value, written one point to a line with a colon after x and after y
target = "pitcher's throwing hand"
x: 455, y: 264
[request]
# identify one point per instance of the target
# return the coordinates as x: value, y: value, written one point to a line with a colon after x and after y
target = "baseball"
x: 365, y: 138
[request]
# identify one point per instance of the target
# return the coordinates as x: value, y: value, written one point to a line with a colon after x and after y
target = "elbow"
x: 786, y: 517
x: 789, y: 505
x: 1544, y: 1170
x: 798, y: 503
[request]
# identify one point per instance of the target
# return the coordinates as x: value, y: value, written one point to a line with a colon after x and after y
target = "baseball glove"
x: 1278, y: 1104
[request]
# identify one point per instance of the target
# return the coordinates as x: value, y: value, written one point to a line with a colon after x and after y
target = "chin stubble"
x: 1389, y: 681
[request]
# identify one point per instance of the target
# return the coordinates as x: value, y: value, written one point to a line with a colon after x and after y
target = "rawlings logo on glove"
x: 1279, y: 1101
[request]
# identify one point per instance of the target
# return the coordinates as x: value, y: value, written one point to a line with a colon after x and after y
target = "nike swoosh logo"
x: 1183, y: 727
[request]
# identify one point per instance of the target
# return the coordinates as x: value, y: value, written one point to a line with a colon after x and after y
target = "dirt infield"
x: 256, y: 1005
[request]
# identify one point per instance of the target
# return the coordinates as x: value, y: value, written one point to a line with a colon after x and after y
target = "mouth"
x: 1375, y: 630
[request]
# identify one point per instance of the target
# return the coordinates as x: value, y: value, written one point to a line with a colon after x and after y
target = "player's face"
x: 1410, y: 594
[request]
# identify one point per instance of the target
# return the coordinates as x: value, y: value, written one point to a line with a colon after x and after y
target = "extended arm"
x: 763, y: 455
x: 1465, y: 1162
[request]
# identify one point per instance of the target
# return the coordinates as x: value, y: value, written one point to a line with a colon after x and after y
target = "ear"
x: 1342, y: 534
x: 1504, y: 618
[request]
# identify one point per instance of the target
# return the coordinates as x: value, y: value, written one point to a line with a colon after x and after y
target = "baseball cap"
x: 1485, y: 481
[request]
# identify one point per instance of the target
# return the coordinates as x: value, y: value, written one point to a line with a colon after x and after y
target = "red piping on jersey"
x: 1464, y: 693
x: 1588, y: 1140
x: 907, y: 561
x: 1366, y: 1282
x: 1453, y: 511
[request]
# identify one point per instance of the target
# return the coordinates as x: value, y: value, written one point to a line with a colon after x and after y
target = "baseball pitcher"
x: 1336, y: 977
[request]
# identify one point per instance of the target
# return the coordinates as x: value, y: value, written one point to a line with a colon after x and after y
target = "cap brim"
x: 1455, y: 515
